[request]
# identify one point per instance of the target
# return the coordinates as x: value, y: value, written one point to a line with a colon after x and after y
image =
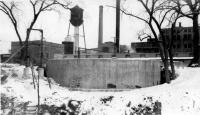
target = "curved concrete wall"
x: 98, y: 73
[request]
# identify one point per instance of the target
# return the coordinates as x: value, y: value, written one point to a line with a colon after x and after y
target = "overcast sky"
x: 56, y: 26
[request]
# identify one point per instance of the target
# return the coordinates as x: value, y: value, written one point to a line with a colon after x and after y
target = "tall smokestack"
x: 118, y: 26
x: 100, y: 40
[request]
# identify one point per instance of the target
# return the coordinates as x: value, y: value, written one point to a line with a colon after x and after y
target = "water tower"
x: 76, y: 20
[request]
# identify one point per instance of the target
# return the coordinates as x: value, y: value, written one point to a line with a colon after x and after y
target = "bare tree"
x: 172, y: 21
x: 193, y: 11
x: 38, y: 6
x: 9, y: 10
x: 156, y: 13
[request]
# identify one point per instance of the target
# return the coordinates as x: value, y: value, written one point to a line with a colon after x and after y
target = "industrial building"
x: 183, y: 43
x: 145, y: 47
x: 182, y: 47
x: 4, y: 58
x: 34, y: 50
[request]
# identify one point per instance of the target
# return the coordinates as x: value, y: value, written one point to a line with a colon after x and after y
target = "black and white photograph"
x: 100, y: 57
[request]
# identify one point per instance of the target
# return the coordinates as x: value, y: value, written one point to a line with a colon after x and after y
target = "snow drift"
x: 181, y: 97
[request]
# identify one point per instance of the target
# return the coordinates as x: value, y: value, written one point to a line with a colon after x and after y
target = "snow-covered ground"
x: 181, y: 97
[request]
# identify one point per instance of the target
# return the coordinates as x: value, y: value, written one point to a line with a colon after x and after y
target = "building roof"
x: 36, y: 41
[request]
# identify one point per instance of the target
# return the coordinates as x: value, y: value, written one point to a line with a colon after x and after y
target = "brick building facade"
x: 183, y: 42
x: 34, y: 50
x: 182, y: 47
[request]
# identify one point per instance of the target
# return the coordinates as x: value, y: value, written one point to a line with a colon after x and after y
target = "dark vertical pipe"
x: 84, y: 39
x: 117, y: 26
x: 27, y: 55
x: 78, y: 52
x: 41, y: 56
x: 68, y: 31
x: 38, y: 92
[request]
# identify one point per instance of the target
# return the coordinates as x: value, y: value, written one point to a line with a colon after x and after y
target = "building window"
x: 157, y: 55
x: 142, y: 55
x: 166, y: 37
x: 185, y: 37
x: 178, y: 38
x: 100, y: 56
x: 177, y: 30
x: 174, y: 46
x: 87, y: 56
x: 185, y: 46
x: 189, y: 30
x: 178, y: 46
x: 185, y: 30
x: 189, y: 37
x: 174, y: 31
x: 189, y: 45
x: 47, y: 55
x: 190, y: 54
x: 175, y: 55
x: 105, y: 49
x: 175, y: 38
x: 163, y: 31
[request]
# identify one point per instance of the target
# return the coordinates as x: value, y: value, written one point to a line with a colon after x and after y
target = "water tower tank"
x: 76, y: 16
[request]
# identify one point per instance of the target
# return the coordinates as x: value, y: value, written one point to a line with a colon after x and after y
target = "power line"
x: 5, y: 41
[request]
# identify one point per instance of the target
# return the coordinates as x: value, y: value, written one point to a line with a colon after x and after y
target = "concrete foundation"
x: 104, y: 73
x: 41, y: 72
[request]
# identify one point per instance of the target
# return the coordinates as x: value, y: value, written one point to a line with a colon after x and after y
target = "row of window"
x: 188, y: 30
x: 185, y: 46
x: 186, y: 37
x: 147, y: 50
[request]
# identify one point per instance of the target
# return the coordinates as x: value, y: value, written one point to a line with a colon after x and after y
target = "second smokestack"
x: 100, y: 37
x: 118, y: 26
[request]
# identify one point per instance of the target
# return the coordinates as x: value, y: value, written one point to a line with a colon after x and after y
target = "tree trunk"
x: 21, y: 44
x: 26, y: 57
x: 171, y: 50
x: 18, y: 35
x: 166, y: 65
x: 172, y: 64
x: 166, y: 52
x: 196, y: 46
x: 163, y: 52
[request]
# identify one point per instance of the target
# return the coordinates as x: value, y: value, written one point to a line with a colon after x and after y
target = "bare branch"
x: 8, y: 10
x: 4, y: 10
x: 142, y: 36
x: 179, y: 8
x: 33, y: 6
x: 129, y: 14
